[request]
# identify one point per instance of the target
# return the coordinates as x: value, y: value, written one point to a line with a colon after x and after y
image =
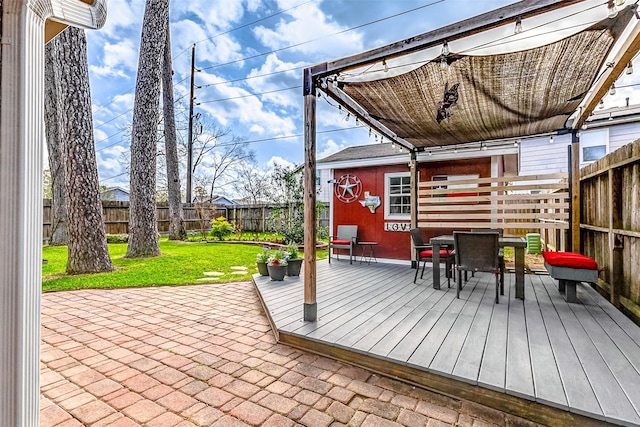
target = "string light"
x: 357, y: 122
x: 601, y: 104
x: 430, y: 153
x: 516, y: 143
x: 348, y: 117
x: 518, y: 28
x: 610, y: 116
x: 612, y: 9
x: 483, y: 146
x: 629, y: 69
x: 612, y: 90
x: 455, y: 150
x: 385, y: 66
x: 369, y: 132
x: 444, y: 63
x: 551, y: 141
x: 445, y: 49
x: 334, y: 83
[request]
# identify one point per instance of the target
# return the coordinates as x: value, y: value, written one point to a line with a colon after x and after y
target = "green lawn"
x: 180, y: 264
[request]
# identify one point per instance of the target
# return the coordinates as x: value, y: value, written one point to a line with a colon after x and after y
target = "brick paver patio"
x: 205, y: 356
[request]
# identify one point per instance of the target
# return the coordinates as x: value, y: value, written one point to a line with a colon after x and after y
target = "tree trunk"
x: 143, y: 231
x: 87, y: 241
x: 176, y: 217
x: 55, y: 148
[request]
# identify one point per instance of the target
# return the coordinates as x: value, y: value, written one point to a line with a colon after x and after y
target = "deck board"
x: 582, y: 357
x: 445, y: 359
x: 546, y: 377
x: 613, y: 401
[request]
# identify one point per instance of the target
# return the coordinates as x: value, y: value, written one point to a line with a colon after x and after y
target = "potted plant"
x: 261, y: 261
x: 277, y: 265
x: 294, y: 262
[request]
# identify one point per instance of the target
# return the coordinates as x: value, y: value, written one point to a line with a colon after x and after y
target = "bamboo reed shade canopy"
x: 493, y: 85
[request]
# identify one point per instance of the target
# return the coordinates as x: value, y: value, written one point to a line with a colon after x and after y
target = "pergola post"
x: 575, y: 192
x: 413, y: 170
x: 310, y: 304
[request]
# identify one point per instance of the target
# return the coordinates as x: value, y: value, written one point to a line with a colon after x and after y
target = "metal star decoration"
x: 348, y: 188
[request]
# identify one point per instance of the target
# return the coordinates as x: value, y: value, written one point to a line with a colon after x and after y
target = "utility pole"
x: 189, y: 199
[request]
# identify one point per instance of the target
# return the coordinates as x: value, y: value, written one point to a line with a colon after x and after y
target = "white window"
x: 397, y: 195
x: 594, y: 145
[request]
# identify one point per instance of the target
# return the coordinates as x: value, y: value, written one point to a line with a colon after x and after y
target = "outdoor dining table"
x: 518, y: 243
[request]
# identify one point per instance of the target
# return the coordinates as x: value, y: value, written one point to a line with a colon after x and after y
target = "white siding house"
x: 606, y: 131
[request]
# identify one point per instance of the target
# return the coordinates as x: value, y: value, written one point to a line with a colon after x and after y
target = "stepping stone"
x: 208, y: 279
x: 241, y: 273
x: 213, y: 273
x: 239, y: 267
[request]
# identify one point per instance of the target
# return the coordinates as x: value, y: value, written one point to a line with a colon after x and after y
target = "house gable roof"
x: 362, y: 152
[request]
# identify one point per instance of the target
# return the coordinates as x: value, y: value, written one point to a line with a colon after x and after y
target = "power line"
x: 250, y: 95
x: 324, y: 37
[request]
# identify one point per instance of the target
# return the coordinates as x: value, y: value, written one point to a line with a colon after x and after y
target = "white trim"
x: 359, y: 163
x: 387, y: 214
x: 437, y: 154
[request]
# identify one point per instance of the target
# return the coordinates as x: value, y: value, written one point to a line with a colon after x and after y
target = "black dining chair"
x: 424, y: 253
x: 476, y: 252
x: 500, y: 232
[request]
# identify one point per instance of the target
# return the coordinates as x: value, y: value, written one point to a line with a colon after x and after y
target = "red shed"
x: 369, y: 186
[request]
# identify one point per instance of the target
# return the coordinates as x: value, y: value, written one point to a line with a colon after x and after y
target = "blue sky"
x: 251, y: 54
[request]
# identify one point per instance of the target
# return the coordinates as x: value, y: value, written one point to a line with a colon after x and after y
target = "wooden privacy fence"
x: 610, y: 223
x: 517, y: 204
x: 246, y: 217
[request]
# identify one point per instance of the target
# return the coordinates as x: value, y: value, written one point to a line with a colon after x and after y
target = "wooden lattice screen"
x: 515, y: 203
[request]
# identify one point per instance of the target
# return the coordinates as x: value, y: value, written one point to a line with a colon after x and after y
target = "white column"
x: 21, y: 140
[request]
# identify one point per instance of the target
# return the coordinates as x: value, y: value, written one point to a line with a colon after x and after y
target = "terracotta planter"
x: 277, y: 272
x: 262, y: 268
x: 294, y: 266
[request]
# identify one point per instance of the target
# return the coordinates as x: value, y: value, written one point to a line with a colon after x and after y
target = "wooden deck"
x: 541, y: 358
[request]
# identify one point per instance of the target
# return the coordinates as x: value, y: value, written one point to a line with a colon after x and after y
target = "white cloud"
x: 118, y: 59
x: 307, y: 23
x: 122, y: 14
x: 279, y: 161
x: 216, y: 14
x: 99, y: 135
x: 330, y: 147
x: 218, y: 50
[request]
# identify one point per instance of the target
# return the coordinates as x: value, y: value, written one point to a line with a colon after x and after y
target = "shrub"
x: 292, y: 251
x: 117, y: 238
x: 264, y: 255
x: 220, y: 228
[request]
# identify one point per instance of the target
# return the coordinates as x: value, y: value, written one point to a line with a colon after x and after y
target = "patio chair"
x: 424, y: 253
x: 345, y: 239
x: 476, y: 252
x: 500, y: 232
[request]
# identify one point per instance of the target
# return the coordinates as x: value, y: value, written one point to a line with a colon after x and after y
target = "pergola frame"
x: 313, y: 78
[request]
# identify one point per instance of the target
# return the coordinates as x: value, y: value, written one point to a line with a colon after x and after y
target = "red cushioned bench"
x: 570, y: 268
